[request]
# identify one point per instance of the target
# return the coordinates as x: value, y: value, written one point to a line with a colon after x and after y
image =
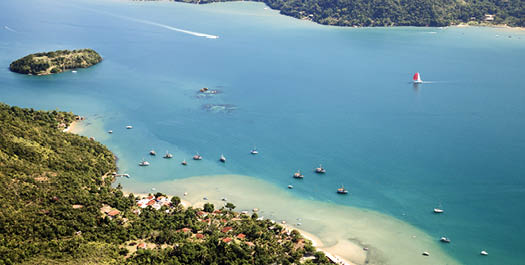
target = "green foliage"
x: 208, y: 207
x: 54, y: 185
x: 55, y: 62
x: 397, y: 12
x: 230, y: 206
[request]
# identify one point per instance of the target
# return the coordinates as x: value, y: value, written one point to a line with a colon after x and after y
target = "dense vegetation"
x: 55, y: 62
x: 58, y: 207
x: 398, y: 12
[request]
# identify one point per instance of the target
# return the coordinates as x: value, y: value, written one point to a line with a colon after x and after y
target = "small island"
x: 45, y: 63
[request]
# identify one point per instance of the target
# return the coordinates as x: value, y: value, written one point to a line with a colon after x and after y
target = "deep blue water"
x: 304, y: 94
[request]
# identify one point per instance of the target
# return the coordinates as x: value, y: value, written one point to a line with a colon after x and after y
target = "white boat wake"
x: 147, y: 22
x: 9, y: 29
x: 198, y: 34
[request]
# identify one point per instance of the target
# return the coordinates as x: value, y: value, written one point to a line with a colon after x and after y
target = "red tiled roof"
x: 251, y: 244
x: 185, y: 229
x: 241, y: 236
x: 113, y: 213
x: 201, y: 213
x: 217, y: 211
x: 199, y: 236
x: 150, y: 197
x: 142, y: 245
x: 151, y: 202
x: 227, y: 229
x: 226, y: 240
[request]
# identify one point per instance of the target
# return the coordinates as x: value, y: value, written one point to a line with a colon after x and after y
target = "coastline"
x: 316, y: 241
x: 74, y: 127
x: 495, y: 26
x: 346, y: 234
x: 462, y: 24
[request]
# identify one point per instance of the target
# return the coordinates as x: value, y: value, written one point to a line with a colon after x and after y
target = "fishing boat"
x: 320, y: 170
x: 197, y: 157
x: 417, y: 78
x: 129, y: 127
x: 298, y: 175
x: 444, y: 239
x: 168, y: 155
x: 184, y: 163
x: 254, y: 151
x: 342, y: 190
x: 290, y: 186
x: 144, y: 163
x: 110, y: 131
x: 222, y: 159
x: 438, y: 210
x: 484, y: 253
x: 152, y: 152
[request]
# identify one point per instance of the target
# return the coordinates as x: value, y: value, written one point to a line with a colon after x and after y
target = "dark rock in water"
x: 219, y: 107
x: 204, y: 93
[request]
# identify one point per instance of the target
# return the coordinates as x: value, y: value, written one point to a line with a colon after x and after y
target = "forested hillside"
x: 398, y: 12
x: 58, y: 207
x: 44, y: 63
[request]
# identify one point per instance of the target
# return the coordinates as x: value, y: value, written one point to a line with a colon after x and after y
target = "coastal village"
x: 227, y: 223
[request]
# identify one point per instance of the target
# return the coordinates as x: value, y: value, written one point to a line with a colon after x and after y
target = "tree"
x: 175, y: 201
x: 230, y: 206
x: 208, y: 207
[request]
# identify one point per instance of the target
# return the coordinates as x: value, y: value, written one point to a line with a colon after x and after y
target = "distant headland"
x: 45, y: 63
x: 426, y: 13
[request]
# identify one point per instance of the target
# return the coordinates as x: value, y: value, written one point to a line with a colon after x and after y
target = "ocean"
x: 303, y: 94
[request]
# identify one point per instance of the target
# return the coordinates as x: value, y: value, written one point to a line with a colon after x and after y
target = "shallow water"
x: 304, y: 94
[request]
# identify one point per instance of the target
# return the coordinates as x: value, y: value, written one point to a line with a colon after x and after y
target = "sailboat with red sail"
x: 417, y: 78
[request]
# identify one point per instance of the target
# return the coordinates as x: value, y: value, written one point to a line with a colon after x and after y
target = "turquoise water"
x: 304, y: 94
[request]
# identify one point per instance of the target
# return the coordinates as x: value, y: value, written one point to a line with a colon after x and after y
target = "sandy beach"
x: 347, y: 235
x: 348, y: 247
x: 74, y: 127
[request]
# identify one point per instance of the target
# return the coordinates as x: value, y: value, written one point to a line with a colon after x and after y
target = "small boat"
x: 168, y: 155
x: 417, y: 78
x: 184, y: 163
x: 438, y: 210
x: 185, y: 193
x: 342, y: 190
x: 320, y: 170
x: 298, y: 175
x: 222, y: 159
x: 425, y: 253
x: 153, y: 189
x: 129, y: 127
x: 204, y: 89
x: 197, y: 157
x: 152, y: 152
x: 224, y: 199
x: 144, y: 163
x: 444, y: 239
x: 290, y: 186
x: 110, y: 131
x: 254, y: 151
x: 74, y: 71
x: 484, y: 253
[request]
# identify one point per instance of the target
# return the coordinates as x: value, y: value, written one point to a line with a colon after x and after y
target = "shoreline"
x: 316, y: 241
x: 74, y: 127
x: 462, y: 24
x: 347, y: 235
x: 494, y: 26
